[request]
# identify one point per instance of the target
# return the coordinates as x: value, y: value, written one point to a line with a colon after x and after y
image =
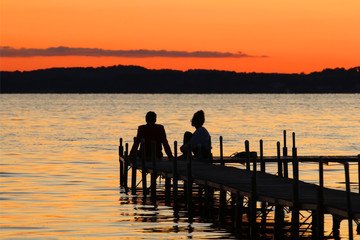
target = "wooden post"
x: 133, y: 172
x: 296, y: 208
x: 359, y: 173
x: 154, y: 171
x: 126, y: 167
x: 121, y: 163
x: 239, y: 212
x: 263, y: 204
x: 285, y: 148
x: 189, y: 179
x: 348, y: 199
x: 320, y: 210
x: 221, y: 152
x: 222, y: 202
x: 247, y: 150
x: 253, y: 227
x: 143, y: 168
x: 175, y: 177
x: 167, y: 190
x: 279, y: 221
x: 279, y: 163
x: 262, y: 162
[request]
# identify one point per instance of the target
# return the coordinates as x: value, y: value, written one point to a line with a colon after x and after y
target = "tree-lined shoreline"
x: 135, y: 79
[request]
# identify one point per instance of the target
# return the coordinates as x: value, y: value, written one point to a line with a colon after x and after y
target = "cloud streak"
x: 98, y: 52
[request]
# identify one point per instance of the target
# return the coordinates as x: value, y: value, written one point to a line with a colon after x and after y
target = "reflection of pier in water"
x: 251, y: 203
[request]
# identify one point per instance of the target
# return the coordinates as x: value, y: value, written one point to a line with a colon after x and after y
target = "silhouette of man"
x: 199, y: 140
x: 151, y: 132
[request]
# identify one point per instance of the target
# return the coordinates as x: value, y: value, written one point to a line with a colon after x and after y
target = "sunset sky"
x: 243, y: 36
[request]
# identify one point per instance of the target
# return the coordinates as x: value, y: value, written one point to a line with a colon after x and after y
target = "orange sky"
x: 296, y: 36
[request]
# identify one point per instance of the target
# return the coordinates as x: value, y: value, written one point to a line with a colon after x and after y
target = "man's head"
x: 198, y: 119
x: 150, y: 117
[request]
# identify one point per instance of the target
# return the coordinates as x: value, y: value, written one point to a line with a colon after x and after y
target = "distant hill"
x: 134, y: 79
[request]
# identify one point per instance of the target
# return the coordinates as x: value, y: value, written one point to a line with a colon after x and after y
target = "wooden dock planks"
x: 270, y: 188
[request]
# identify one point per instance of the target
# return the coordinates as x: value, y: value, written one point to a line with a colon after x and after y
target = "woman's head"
x: 198, y: 119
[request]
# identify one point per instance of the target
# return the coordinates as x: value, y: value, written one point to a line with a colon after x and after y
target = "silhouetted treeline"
x: 133, y: 79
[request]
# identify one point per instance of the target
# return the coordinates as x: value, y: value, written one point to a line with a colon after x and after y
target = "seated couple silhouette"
x: 197, y: 143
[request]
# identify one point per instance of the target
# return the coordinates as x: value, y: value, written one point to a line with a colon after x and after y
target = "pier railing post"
x: 143, y: 168
x: 121, y: 163
x: 126, y: 167
x: 359, y: 172
x: 133, y: 172
x: 221, y: 152
x: 175, y: 175
x: 189, y: 179
x: 296, y: 208
x: 320, y: 209
x: 262, y: 162
x: 348, y: 199
x: 285, y: 151
x: 253, y: 228
x: 247, y: 151
x: 279, y: 163
x: 154, y: 170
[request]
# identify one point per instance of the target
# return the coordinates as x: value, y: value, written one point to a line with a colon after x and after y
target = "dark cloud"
x: 98, y: 52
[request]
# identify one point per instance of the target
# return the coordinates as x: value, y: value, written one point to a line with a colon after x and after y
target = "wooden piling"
x: 253, y: 227
x: 279, y: 163
x: 262, y: 162
x: 359, y: 173
x: 348, y: 199
x: 222, y: 204
x: 285, y: 153
x: 189, y: 179
x: 175, y: 176
x: 239, y: 210
x: 154, y: 170
x: 320, y: 210
x: 133, y: 171
x: 296, y: 207
x: 126, y: 167
x: 247, y: 151
x: 121, y: 163
x: 221, y: 152
x: 143, y: 168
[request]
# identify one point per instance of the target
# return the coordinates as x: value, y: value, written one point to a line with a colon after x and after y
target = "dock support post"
x: 279, y: 221
x: 126, y: 167
x: 154, y: 171
x: 247, y: 150
x: 320, y: 211
x: 279, y: 163
x: 189, y: 179
x: 222, y: 203
x: 121, y: 163
x: 167, y: 190
x: 348, y: 199
x: 239, y: 213
x: 253, y: 227
x: 285, y: 151
x: 175, y: 177
x: 296, y: 208
x: 143, y: 169
x: 133, y: 172
x: 359, y: 172
x: 221, y: 152
x: 336, y: 226
x: 262, y: 162
x: 263, y: 204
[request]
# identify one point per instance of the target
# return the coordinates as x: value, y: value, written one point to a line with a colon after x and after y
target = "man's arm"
x: 166, y: 145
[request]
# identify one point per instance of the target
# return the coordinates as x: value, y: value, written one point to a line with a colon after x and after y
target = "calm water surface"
x: 59, y: 163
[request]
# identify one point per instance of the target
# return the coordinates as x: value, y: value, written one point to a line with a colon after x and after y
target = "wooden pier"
x: 275, y: 191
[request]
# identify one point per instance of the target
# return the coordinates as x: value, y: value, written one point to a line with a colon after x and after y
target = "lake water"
x: 59, y: 155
